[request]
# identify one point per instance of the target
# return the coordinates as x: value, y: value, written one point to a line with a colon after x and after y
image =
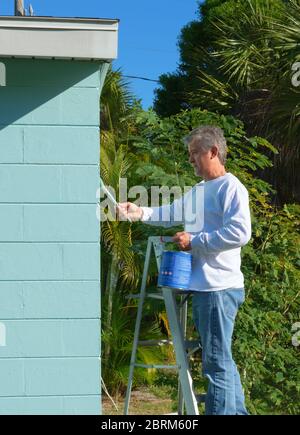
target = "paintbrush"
x: 110, y: 196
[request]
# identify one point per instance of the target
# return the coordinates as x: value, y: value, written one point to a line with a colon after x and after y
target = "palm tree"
x: 116, y: 102
x: 120, y: 266
x: 116, y: 235
x: 118, y: 262
x: 248, y: 73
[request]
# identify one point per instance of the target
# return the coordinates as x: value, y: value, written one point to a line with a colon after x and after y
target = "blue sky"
x: 147, y: 36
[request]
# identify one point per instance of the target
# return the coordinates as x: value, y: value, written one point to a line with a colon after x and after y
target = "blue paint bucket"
x: 175, y: 270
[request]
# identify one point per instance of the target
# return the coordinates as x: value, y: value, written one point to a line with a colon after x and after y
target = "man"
x: 216, y: 276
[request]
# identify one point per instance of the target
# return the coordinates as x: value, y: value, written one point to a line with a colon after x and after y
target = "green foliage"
x: 170, y: 97
x: 263, y: 336
x: 262, y: 346
x: 151, y: 152
x: 165, y: 157
x: 235, y: 29
x: 119, y: 338
x: 116, y: 236
x: 116, y: 101
x: 118, y: 265
x: 237, y: 59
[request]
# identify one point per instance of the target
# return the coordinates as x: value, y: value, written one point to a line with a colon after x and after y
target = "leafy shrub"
x: 270, y: 262
x: 262, y: 343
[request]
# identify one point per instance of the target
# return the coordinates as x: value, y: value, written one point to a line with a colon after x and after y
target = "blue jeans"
x: 214, y: 315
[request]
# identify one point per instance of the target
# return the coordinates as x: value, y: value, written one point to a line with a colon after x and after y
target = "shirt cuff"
x: 147, y: 213
x: 197, y: 240
x: 192, y: 236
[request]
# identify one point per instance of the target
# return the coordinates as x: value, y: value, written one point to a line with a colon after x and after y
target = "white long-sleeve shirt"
x: 220, y: 224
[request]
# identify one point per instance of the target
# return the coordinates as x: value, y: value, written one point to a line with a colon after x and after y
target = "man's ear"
x: 214, y: 151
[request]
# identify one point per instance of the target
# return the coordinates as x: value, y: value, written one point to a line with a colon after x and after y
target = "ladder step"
x: 200, y: 398
x: 148, y: 295
x: 154, y: 342
x: 192, y: 344
x: 156, y: 366
x: 155, y: 296
x: 133, y: 296
x: 189, y: 344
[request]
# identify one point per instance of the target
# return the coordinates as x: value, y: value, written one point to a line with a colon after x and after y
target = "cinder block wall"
x: 49, y: 237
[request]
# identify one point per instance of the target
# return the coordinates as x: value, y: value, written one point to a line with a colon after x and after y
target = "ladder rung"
x: 155, y: 296
x: 200, y: 398
x: 154, y: 342
x: 166, y: 239
x: 156, y: 366
x: 192, y: 344
x: 148, y: 295
x: 184, y: 292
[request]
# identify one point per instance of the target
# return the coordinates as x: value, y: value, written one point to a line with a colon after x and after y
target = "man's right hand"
x: 130, y: 210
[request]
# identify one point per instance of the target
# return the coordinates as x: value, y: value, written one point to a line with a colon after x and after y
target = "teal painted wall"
x: 49, y: 238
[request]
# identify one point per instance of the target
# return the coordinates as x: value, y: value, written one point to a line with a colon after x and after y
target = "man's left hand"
x: 183, y: 240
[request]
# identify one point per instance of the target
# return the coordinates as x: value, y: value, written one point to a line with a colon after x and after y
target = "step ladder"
x: 177, y: 318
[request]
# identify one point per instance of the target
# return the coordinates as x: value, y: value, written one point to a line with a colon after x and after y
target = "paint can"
x: 175, y: 270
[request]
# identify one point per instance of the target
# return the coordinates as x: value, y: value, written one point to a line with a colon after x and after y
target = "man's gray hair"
x: 206, y: 137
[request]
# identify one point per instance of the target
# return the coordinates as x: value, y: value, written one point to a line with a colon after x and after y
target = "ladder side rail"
x: 186, y: 381
x: 138, y: 325
x: 183, y: 323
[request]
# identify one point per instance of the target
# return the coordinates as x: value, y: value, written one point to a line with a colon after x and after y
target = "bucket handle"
x: 166, y: 239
